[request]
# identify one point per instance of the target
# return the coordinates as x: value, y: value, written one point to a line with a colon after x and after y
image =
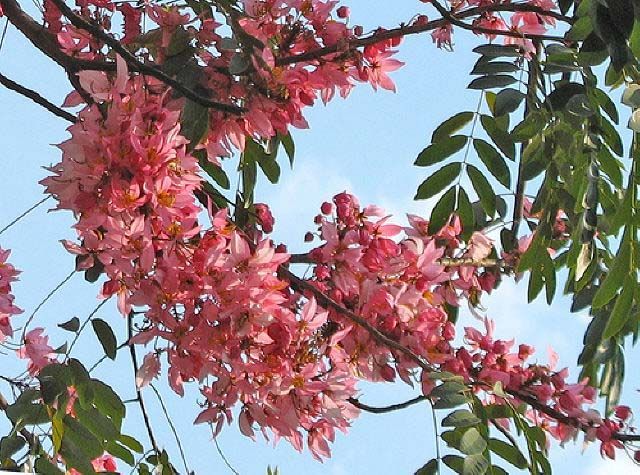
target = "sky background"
x: 366, y: 145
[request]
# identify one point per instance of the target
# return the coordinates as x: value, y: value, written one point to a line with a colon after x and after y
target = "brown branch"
x: 37, y: 98
x: 327, y: 302
x: 406, y: 30
x: 144, y: 68
x: 384, y: 409
x: 46, y: 41
x: 445, y: 261
x: 139, y: 398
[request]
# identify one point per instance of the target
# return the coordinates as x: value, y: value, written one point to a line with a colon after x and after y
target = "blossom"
x: 36, y: 350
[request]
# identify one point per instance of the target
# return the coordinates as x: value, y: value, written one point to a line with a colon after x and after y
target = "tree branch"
x: 327, y: 302
x: 45, y: 41
x: 37, y: 98
x: 447, y: 18
x: 445, y: 261
x: 385, y: 409
x: 144, y: 68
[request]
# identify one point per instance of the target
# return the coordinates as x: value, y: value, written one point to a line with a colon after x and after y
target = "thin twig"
x: 172, y: 427
x: 43, y: 302
x: 134, y: 361
x: 25, y: 213
x: 222, y: 456
x: 84, y: 324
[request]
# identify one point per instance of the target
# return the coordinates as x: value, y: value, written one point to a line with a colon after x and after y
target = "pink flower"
x: 149, y: 370
x: 36, y: 349
x: 264, y: 217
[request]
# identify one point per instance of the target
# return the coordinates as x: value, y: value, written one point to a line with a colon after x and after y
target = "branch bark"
x: 37, y: 98
x: 447, y: 17
x: 143, y: 68
x: 385, y: 409
x: 327, y: 302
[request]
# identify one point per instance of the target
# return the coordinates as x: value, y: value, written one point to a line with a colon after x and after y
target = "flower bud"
x: 343, y: 12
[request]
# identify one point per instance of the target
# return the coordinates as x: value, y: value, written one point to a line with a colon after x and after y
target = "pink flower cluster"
x: 485, y: 362
x: 273, y: 93
x: 8, y: 275
x: 520, y: 22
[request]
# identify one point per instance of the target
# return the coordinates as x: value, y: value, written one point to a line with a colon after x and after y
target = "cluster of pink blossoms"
x: 272, y: 90
x: 8, y: 275
x: 400, y: 286
x: 213, y: 302
x: 519, y: 22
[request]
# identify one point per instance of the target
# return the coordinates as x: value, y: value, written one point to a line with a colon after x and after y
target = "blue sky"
x: 366, y: 145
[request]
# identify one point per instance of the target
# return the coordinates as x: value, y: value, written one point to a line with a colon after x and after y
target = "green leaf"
x: 460, y: 418
x: 449, y: 401
x: 105, y: 336
x: 622, y: 308
x: 26, y: 413
x: 495, y: 51
x: 195, y: 123
x: 44, y: 467
x: 475, y: 465
x: 499, y: 136
x: 442, y: 210
x: 79, y: 446
x: 607, y: 105
x: 507, y: 101
x: 484, y: 190
x: 100, y: 425
x: 238, y: 64
x: 465, y: 211
x: 120, y: 452
x: 440, y: 150
x: 531, y: 126
x: 430, y: 468
x: 447, y: 388
x: 10, y: 445
x: 494, y: 162
x: 454, y: 462
x: 472, y: 442
x: 451, y: 126
x: 508, y: 452
x: 580, y: 29
x: 270, y: 168
x: 131, y: 442
x: 493, y: 67
x: 108, y: 402
x: 214, y: 171
x: 616, y: 276
x: 491, y: 82
x: 438, y: 181
x: 611, y: 137
x: 71, y: 325
x: 289, y: 146
x: 54, y: 380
